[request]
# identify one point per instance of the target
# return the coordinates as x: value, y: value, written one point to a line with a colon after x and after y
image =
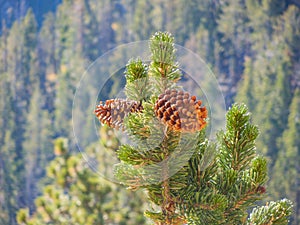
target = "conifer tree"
x: 5, y: 107
x: 192, y: 180
x: 38, y: 132
x: 143, y: 19
x: 234, y: 28
x: 8, y: 168
x: 269, y: 104
x: 245, y: 92
x: 288, y: 160
x: 76, y: 195
x: 47, y: 44
x: 18, y: 71
x: 73, y: 195
x: 49, y: 63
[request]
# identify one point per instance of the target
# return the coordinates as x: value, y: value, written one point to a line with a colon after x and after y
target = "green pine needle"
x: 275, y: 213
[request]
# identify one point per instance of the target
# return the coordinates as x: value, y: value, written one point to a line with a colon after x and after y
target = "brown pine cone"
x: 180, y: 111
x: 114, y: 111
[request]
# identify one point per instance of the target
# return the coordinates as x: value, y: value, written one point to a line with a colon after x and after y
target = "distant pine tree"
x: 38, y: 132
x: 288, y: 160
x: 77, y: 195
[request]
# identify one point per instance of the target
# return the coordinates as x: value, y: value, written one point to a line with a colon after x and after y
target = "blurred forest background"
x: 253, y: 47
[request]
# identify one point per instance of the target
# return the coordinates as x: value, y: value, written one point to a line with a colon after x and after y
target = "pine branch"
x: 243, y: 176
x: 274, y: 213
x: 163, y: 69
x: 137, y: 87
x: 238, y: 142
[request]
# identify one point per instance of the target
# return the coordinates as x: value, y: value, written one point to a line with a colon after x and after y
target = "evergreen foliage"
x: 39, y: 150
x: 76, y: 195
x: 272, y: 213
x: 289, y: 157
x: 252, y: 46
x: 173, y: 164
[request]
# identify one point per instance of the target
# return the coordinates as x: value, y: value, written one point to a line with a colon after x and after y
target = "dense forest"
x: 253, y: 48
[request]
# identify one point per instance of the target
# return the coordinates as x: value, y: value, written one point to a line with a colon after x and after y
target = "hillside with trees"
x: 252, y: 47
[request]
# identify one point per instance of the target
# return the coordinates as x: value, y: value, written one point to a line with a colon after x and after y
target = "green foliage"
x: 18, y: 73
x: 77, y: 195
x: 238, y: 143
x: 163, y: 68
x: 38, y: 132
x: 63, y: 104
x: 273, y: 213
x: 233, y: 27
x: 267, y: 89
x: 180, y: 171
x: 142, y: 19
x: 135, y: 70
x: 136, y: 77
x: 288, y: 159
x: 276, y: 7
x: 246, y: 86
x: 252, y: 46
x: 267, y: 92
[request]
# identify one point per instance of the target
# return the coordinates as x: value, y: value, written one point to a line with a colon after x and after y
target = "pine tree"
x: 90, y: 31
x: 143, y: 20
x: 190, y: 13
x: 47, y: 44
x: 288, y: 160
x: 246, y: 87
x: 77, y: 195
x: 7, y: 169
x: 65, y: 32
x: 63, y: 102
x: 190, y: 178
x: 233, y: 25
x: 269, y: 78
x: 37, y: 147
x: 260, y: 23
x: 72, y: 55
x: 9, y: 162
x: 290, y: 30
x: 268, y: 104
x: 49, y: 64
x: 17, y: 75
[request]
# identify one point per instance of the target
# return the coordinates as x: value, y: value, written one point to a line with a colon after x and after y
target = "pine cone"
x: 114, y: 111
x: 180, y: 111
